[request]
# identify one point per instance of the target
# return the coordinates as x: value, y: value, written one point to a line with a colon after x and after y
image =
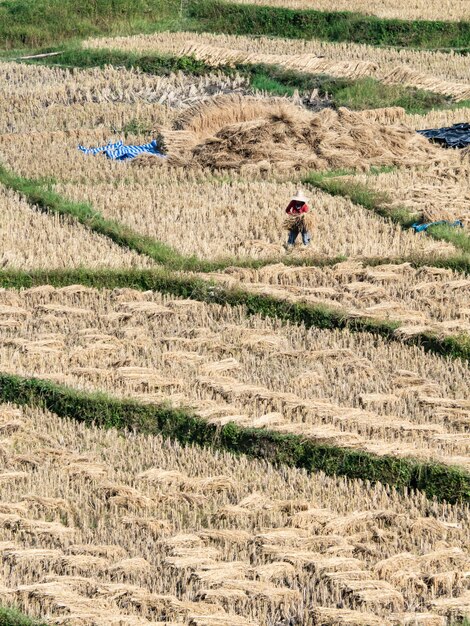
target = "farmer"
x: 296, y: 210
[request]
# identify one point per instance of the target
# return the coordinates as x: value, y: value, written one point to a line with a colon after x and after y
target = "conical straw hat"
x: 300, y: 197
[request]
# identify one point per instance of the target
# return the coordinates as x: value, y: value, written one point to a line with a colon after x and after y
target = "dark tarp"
x: 456, y: 136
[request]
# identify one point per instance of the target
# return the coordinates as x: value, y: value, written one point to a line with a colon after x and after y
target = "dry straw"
x: 445, y: 73
x: 233, y: 132
x: 233, y: 218
x: 352, y: 390
x: 33, y: 240
x: 238, y: 557
x: 40, y: 98
x: 440, y: 192
x: 425, y: 299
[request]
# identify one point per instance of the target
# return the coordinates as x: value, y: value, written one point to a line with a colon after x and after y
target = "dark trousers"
x: 294, y: 233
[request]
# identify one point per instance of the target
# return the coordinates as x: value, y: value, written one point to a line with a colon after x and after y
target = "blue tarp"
x: 118, y: 152
x: 418, y: 228
x: 456, y: 136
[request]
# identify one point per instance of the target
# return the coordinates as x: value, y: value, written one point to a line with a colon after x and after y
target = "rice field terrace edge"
x: 39, y: 196
x: 436, y: 480
x: 328, y: 25
x: 379, y: 202
x: 356, y: 94
x: 177, y: 284
x: 25, y: 24
x: 456, y: 10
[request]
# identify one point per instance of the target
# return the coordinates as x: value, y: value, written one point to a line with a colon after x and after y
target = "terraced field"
x: 140, y: 531
x: 439, y: 72
x: 197, y: 427
x: 398, y: 9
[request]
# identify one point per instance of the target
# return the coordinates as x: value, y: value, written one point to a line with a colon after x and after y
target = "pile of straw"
x: 232, y: 132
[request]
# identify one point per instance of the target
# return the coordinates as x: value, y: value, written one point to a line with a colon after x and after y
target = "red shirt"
x: 293, y: 209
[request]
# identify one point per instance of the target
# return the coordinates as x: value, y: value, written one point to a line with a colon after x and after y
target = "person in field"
x: 296, y: 222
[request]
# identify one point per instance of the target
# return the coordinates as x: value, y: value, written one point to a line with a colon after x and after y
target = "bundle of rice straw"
x: 299, y: 222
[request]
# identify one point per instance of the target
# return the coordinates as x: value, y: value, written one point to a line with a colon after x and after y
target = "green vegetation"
x: 39, y: 23
x: 158, y: 64
x: 177, y: 284
x: 34, y: 23
x: 456, y: 236
x: 379, y: 202
x: 41, y: 196
x: 241, y: 19
x: 12, y: 617
x: 360, y: 94
x: 436, y: 480
x: 368, y: 93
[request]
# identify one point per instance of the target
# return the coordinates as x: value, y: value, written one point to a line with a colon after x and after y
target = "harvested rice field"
x: 449, y: 10
x: 437, y: 193
x: 221, y: 206
x: 31, y: 240
x: 440, y: 72
x: 392, y: 398
x: 102, y: 529
x: 36, y: 98
x: 222, y: 211
x: 200, y: 426
x: 433, y: 298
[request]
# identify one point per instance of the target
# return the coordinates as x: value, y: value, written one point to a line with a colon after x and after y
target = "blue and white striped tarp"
x: 118, y: 152
x: 418, y: 228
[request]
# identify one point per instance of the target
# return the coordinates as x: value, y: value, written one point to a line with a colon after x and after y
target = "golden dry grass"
x: 245, y: 218
x: 432, y: 119
x: 238, y: 217
x: 448, y: 10
x: 145, y: 541
x: 437, y: 193
x: 358, y: 391
x: 437, y: 299
x: 30, y: 239
x: 235, y: 227
x: 239, y: 133
x: 445, y: 73
x: 36, y: 98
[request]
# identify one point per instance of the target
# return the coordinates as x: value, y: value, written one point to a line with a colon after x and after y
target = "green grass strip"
x: 38, y: 23
x: 241, y: 19
x: 379, y: 202
x: 39, y: 195
x: 34, y: 23
x: 317, y: 316
x: 436, y: 480
x: 360, y: 94
x: 13, y: 617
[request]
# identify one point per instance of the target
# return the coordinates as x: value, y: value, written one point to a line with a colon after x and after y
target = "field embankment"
x: 452, y: 10
x: 256, y: 19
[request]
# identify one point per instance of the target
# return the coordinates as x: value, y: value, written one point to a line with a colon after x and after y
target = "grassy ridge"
x: 241, y: 19
x: 379, y: 202
x: 12, y: 617
x: 436, y: 480
x: 316, y: 316
x: 359, y: 94
x: 34, y: 23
